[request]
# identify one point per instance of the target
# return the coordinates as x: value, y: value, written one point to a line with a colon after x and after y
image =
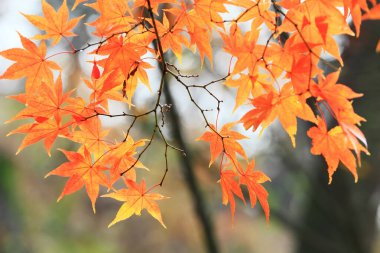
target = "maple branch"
x: 201, y: 110
x: 156, y: 129
x: 159, y: 45
x: 166, y: 166
x: 205, y: 220
x: 191, y: 180
x: 179, y: 71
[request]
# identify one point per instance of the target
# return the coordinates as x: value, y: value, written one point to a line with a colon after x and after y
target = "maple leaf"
x: 92, y: 137
x: 136, y: 198
x: 198, y: 30
x: 209, y: 10
x: 356, y: 7
x: 230, y: 186
x: 124, y: 55
x: 334, y: 146
x: 95, y: 73
x: 122, y: 160
x: 201, y: 38
x: 224, y: 141
x: 81, y: 111
x: 309, y: 14
x: 125, y: 166
x: 338, y: 98
x: 56, y: 24
x: 105, y: 88
x: 337, y: 95
x: 30, y: 62
x: 253, y: 180
x: 353, y: 134
x: 258, y: 11
x: 245, y: 85
x: 46, y: 102
x: 245, y: 48
x: 82, y: 171
x: 302, y: 71
x: 285, y: 105
x: 116, y: 16
x: 171, y: 37
x: 48, y: 130
x: 314, y: 23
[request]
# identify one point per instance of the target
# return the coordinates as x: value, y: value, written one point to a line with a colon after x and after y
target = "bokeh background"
x: 307, y: 214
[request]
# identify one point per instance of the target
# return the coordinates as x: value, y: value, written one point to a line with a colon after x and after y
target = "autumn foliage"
x: 276, y: 66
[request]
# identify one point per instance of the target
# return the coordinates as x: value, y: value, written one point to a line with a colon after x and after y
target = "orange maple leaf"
x: 230, y: 186
x: 104, y: 88
x: 198, y: 30
x: 92, y: 137
x: 285, y: 105
x: 253, y: 180
x: 224, y: 141
x: 95, y: 73
x: 171, y: 37
x: 30, y: 62
x: 123, y: 63
x: 258, y: 11
x: 115, y: 16
x: 80, y: 110
x: 201, y: 38
x: 356, y: 7
x: 49, y: 130
x: 334, y: 146
x: 45, y: 103
x: 136, y: 198
x: 244, y: 47
x: 56, y: 24
x: 82, y: 171
x: 121, y: 157
x: 337, y: 95
x: 245, y: 85
x: 302, y: 70
x: 209, y: 10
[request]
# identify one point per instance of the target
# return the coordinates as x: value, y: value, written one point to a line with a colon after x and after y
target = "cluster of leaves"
x: 280, y: 78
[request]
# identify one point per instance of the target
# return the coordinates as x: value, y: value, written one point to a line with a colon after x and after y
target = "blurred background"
x: 307, y: 214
